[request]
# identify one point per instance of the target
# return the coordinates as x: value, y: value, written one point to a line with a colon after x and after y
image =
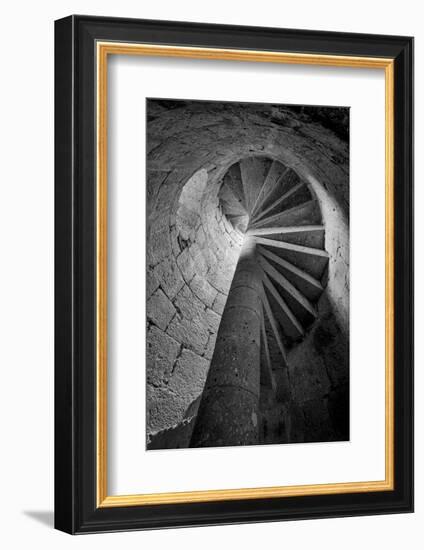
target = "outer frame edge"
x: 64, y: 448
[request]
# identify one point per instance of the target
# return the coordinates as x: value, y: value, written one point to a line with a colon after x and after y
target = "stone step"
x: 278, y: 202
x: 314, y: 237
x: 302, y: 257
x: 307, y: 235
x: 267, y: 376
x: 287, y: 180
x: 274, y: 325
x: 302, y: 214
x: 285, y: 230
x: 230, y: 210
x: 233, y: 180
x: 275, y: 174
x: 239, y: 222
x: 305, y: 283
x: 253, y: 172
x: 289, y: 322
x: 289, y: 289
x: 230, y: 200
x: 293, y: 247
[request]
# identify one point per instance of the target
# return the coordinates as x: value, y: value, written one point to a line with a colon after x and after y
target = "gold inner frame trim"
x: 103, y: 50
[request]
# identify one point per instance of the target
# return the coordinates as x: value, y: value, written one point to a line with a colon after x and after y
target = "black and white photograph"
x: 247, y: 274
x: 211, y: 264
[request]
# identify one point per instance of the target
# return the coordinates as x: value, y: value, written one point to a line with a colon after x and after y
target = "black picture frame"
x: 76, y: 508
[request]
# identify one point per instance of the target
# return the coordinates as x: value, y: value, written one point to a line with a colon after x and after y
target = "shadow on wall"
x: 45, y: 517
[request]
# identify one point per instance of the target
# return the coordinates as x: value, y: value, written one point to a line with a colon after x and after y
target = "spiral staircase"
x: 273, y: 207
x: 248, y: 316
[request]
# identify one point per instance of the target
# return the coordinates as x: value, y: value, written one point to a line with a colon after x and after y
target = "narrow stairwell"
x: 272, y: 303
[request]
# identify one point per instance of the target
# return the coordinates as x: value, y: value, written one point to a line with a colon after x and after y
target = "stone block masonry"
x: 184, y: 307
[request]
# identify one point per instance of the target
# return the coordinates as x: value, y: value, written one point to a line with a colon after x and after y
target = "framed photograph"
x: 234, y: 274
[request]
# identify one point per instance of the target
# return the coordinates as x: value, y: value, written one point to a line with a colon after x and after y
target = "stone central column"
x: 228, y: 412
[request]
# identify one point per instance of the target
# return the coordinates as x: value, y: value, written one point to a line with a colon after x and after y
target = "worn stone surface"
x: 188, y: 223
x: 220, y: 277
x: 319, y: 375
x: 199, y: 260
x: 186, y: 264
x: 164, y: 409
x: 169, y: 275
x: 159, y: 245
x: 156, y: 179
x: 212, y: 320
x: 162, y: 351
x: 189, y: 375
x: 188, y: 305
x: 203, y: 290
x: 210, y: 346
x: 219, y: 303
x: 174, y: 437
x: 172, y: 407
x: 229, y: 408
x: 160, y: 309
x: 189, y: 333
x: 308, y: 374
x: 152, y: 282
